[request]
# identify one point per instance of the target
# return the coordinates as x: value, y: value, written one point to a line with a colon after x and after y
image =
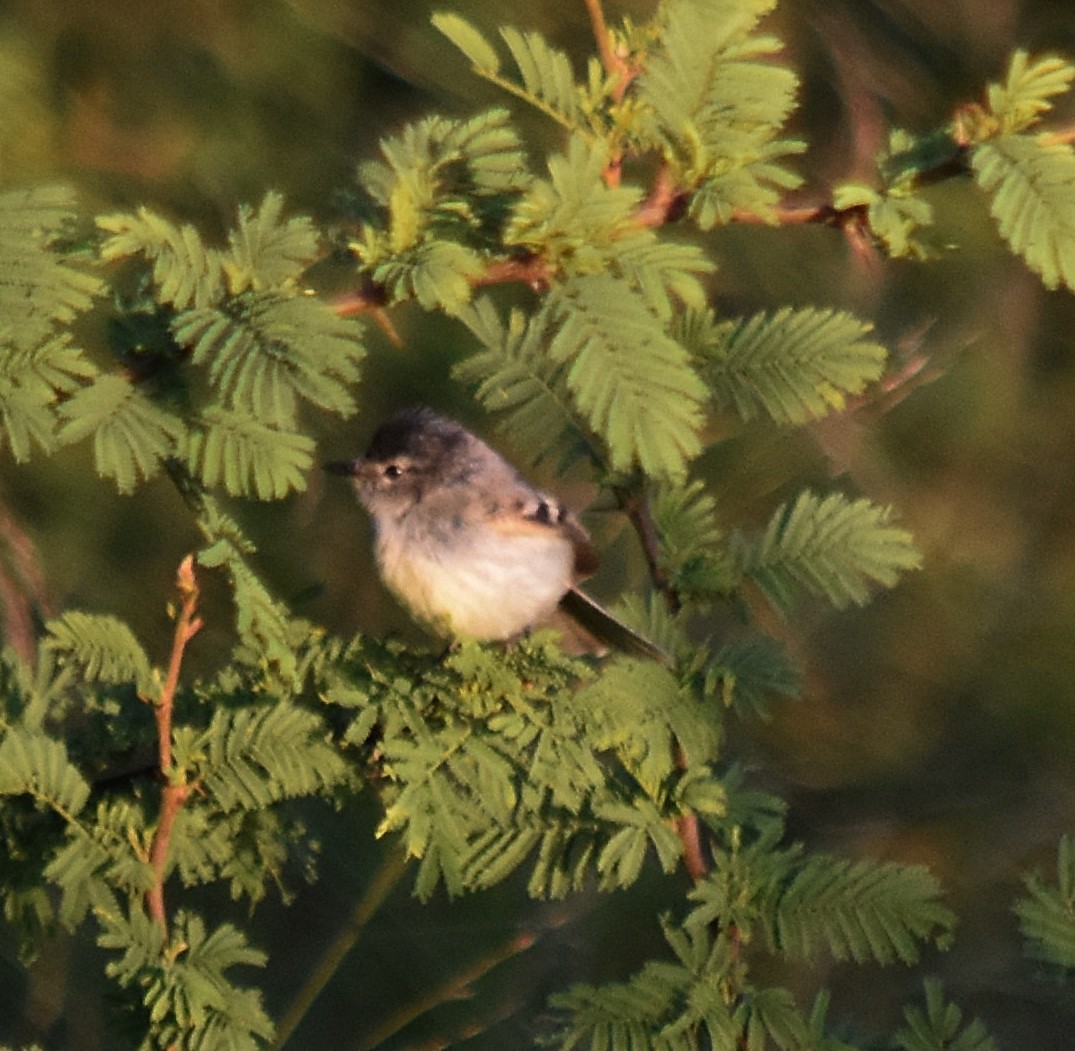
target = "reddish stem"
x: 690, y: 834
x: 174, y: 794
x: 615, y: 64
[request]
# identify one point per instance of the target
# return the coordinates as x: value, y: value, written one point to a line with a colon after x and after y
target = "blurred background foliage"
x: 938, y: 724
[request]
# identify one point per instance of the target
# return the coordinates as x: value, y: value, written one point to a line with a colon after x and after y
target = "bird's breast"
x: 477, y: 581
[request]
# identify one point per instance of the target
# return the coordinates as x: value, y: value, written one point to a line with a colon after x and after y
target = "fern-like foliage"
x: 186, y: 272
x: 132, y: 435
x: 266, y: 351
x: 34, y: 382
x: 1047, y: 911
x: 829, y: 546
x: 487, y: 765
x: 189, y: 991
x: 692, y: 544
x: 246, y: 456
x: 547, y: 80
x: 265, y: 250
x: 251, y: 757
x: 580, y: 225
x: 1030, y: 181
x: 793, y: 365
x: 442, y: 190
x: 718, y: 107
x: 686, y: 1003
x: 940, y: 1026
x: 1027, y: 91
x: 38, y: 286
x: 632, y: 383
x: 515, y: 376
x: 858, y: 910
x: 667, y: 1006
x: 34, y: 764
x: 239, y: 313
x: 1028, y: 177
x: 746, y: 673
x: 102, y: 860
x: 40, y: 289
x: 103, y: 649
x: 261, y: 621
x: 894, y: 215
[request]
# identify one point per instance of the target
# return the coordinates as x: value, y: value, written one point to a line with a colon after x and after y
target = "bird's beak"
x: 348, y: 468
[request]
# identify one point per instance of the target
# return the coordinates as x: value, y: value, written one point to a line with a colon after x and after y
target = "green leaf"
x: 793, y: 364
x: 33, y: 383
x: 548, y: 80
x: 515, y: 376
x: 436, y: 273
x: 938, y: 1027
x: 267, y: 350
x: 580, y: 226
x: 35, y: 765
x: 640, y: 711
x: 1027, y: 91
x: 191, y: 1001
x: 465, y: 37
x: 1031, y: 183
x: 716, y: 110
x: 104, y: 648
x: 265, y: 251
x: 247, y: 457
x: 772, y: 1014
x: 894, y: 215
x: 631, y: 381
x: 573, y: 219
x: 859, y: 910
x: 131, y: 434
x: 829, y: 546
x: 1047, y: 912
x: 692, y: 545
x: 257, y: 756
x: 746, y: 672
x: 38, y: 287
x: 185, y: 271
x: 261, y: 621
x: 442, y: 183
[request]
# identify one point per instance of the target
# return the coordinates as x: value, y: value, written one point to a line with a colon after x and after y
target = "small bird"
x: 469, y: 546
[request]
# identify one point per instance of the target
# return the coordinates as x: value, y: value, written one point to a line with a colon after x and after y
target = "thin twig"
x: 666, y: 201
x: 689, y: 830
x: 616, y: 66
x: 457, y: 987
x: 174, y: 794
x: 636, y: 507
x: 384, y: 880
x: 531, y: 270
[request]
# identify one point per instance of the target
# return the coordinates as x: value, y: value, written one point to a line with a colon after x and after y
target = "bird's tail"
x: 610, y: 630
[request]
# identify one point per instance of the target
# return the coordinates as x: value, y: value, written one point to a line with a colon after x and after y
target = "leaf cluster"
x: 490, y: 761
x: 1047, y: 912
x: 43, y: 288
x: 706, y: 103
x: 239, y: 351
x: 243, y: 751
x: 705, y: 996
x: 1025, y: 172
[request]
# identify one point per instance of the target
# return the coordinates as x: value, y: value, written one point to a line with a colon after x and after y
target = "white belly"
x: 494, y: 586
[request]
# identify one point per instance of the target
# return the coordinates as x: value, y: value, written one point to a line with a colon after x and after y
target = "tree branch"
x: 615, y: 64
x: 635, y: 506
x: 174, y: 794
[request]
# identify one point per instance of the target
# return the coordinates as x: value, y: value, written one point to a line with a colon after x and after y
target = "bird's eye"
x: 393, y: 471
